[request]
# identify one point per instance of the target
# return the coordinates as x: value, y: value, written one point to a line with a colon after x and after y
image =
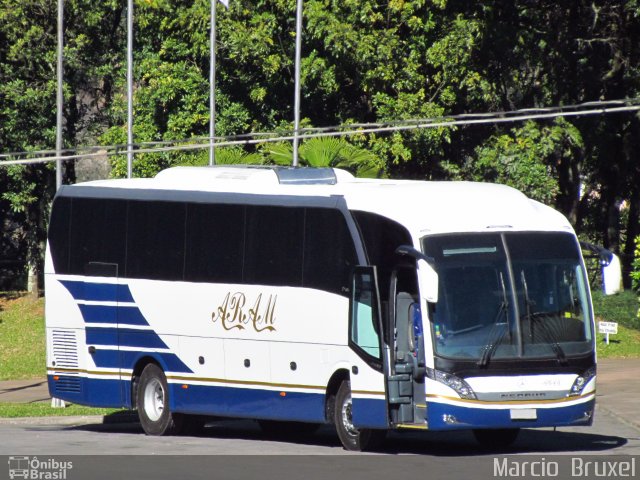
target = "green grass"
x: 22, y: 338
x: 44, y: 409
x: 621, y: 308
x: 624, y: 344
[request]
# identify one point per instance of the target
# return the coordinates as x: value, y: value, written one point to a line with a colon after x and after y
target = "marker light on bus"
x: 582, y: 381
x: 461, y: 387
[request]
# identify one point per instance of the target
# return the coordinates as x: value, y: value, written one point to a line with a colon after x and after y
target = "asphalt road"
x: 239, y: 449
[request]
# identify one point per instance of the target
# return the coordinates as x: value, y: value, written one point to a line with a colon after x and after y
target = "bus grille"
x: 65, y: 349
x: 65, y: 356
x: 70, y: 383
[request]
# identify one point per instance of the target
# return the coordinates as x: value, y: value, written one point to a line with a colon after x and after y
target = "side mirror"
x: 427, y: 272
x: 417, y: 255
x: 429, y: 281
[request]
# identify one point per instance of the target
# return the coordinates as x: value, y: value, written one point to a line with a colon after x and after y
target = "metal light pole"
x: 59, y: 93
x: 57, y: 402
x: 212, y: 79
x: 296, y: 102
x: 212, y: 83
x: 129, y: 88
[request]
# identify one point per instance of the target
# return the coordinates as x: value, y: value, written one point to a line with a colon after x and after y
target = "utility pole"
x: 296, y: 101
x: 129, y: 88
x: 212, y: 83
x: 59, y: 93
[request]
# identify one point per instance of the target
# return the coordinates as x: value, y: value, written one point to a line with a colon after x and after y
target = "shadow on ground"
x: 451, y: 444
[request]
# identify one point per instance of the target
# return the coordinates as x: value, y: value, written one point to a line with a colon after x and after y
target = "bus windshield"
x: 509, y: 295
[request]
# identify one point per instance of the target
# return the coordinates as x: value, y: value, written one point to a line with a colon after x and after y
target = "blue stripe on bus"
x: 127, y: 359
x: 124, y: 337
x: 94, y: 392
x: 249, y: 403
x: 98, y: 292
x: 122, y: 315
x: 200, y: 399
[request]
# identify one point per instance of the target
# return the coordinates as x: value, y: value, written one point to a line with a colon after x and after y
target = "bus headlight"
x: 461, y: 387
x: 581, y: 382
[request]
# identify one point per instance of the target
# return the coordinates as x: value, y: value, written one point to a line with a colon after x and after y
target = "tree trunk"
x: 32, y: 281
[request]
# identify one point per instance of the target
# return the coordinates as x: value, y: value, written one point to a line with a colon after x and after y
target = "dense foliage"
x: 363, y: 61
x: 635, y: 273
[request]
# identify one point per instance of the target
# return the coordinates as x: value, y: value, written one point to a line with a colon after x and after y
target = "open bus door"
x: 365, y: 326
x: 405, y: 380
x: 398, y: 353
x: 392, y: 344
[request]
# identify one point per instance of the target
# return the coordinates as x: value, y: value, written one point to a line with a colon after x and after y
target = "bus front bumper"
x: 457, y: 415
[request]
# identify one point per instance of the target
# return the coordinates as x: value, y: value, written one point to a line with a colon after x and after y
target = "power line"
x: 466, y: 119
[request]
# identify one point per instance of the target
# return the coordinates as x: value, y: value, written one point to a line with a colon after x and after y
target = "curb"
x: 61, y: 420
x: 74, y: 420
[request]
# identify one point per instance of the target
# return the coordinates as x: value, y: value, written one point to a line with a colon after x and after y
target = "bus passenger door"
x: 407, y: 401
x: 369, y: 407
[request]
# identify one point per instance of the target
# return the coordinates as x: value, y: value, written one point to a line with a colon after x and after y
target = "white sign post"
x: 607, y: 328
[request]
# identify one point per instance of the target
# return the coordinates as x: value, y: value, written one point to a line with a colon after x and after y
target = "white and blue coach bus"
x: 310, y: 296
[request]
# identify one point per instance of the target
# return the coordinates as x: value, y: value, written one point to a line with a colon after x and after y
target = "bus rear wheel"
x: 352, y: 438
x: 153, y: 403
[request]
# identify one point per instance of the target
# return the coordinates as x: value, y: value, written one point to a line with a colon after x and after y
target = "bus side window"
x: 155, y: 245
x: 364, y: 317
x: 273, y: 245
x: 59, y: 227
x: 381, y: 236
x: 98, y: 233
x: 215, y: 243
x: 329, y: 252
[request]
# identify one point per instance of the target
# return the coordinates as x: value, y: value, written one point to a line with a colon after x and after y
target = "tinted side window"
x: 215, y: 243
x: 273, y: 248
x: 98, y: 233
x: 59, y: 234
x: 329, y: 253
x: 381, y: 237
x: 155, y: 240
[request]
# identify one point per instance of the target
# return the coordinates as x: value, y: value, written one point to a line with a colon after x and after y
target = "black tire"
x: 153, y: 403
x: 352, y: 438
x: 496, y: 439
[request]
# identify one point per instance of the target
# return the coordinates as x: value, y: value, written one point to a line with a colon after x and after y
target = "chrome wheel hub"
x: 154, y: 400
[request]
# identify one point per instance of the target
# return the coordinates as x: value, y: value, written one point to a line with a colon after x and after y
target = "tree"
x: 328, y: 152
x: 28, y: 93
x: 363, y: 61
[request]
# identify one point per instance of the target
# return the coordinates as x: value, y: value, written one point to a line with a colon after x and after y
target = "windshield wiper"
x: 533, y: 316
x: 495, y: 335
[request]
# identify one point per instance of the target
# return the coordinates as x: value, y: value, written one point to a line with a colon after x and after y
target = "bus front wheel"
x: 352, y: 438
x: 153, y: 403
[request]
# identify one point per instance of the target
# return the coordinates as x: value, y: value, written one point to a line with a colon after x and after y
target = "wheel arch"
x: 140, y: 365
x: 333, y: 385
